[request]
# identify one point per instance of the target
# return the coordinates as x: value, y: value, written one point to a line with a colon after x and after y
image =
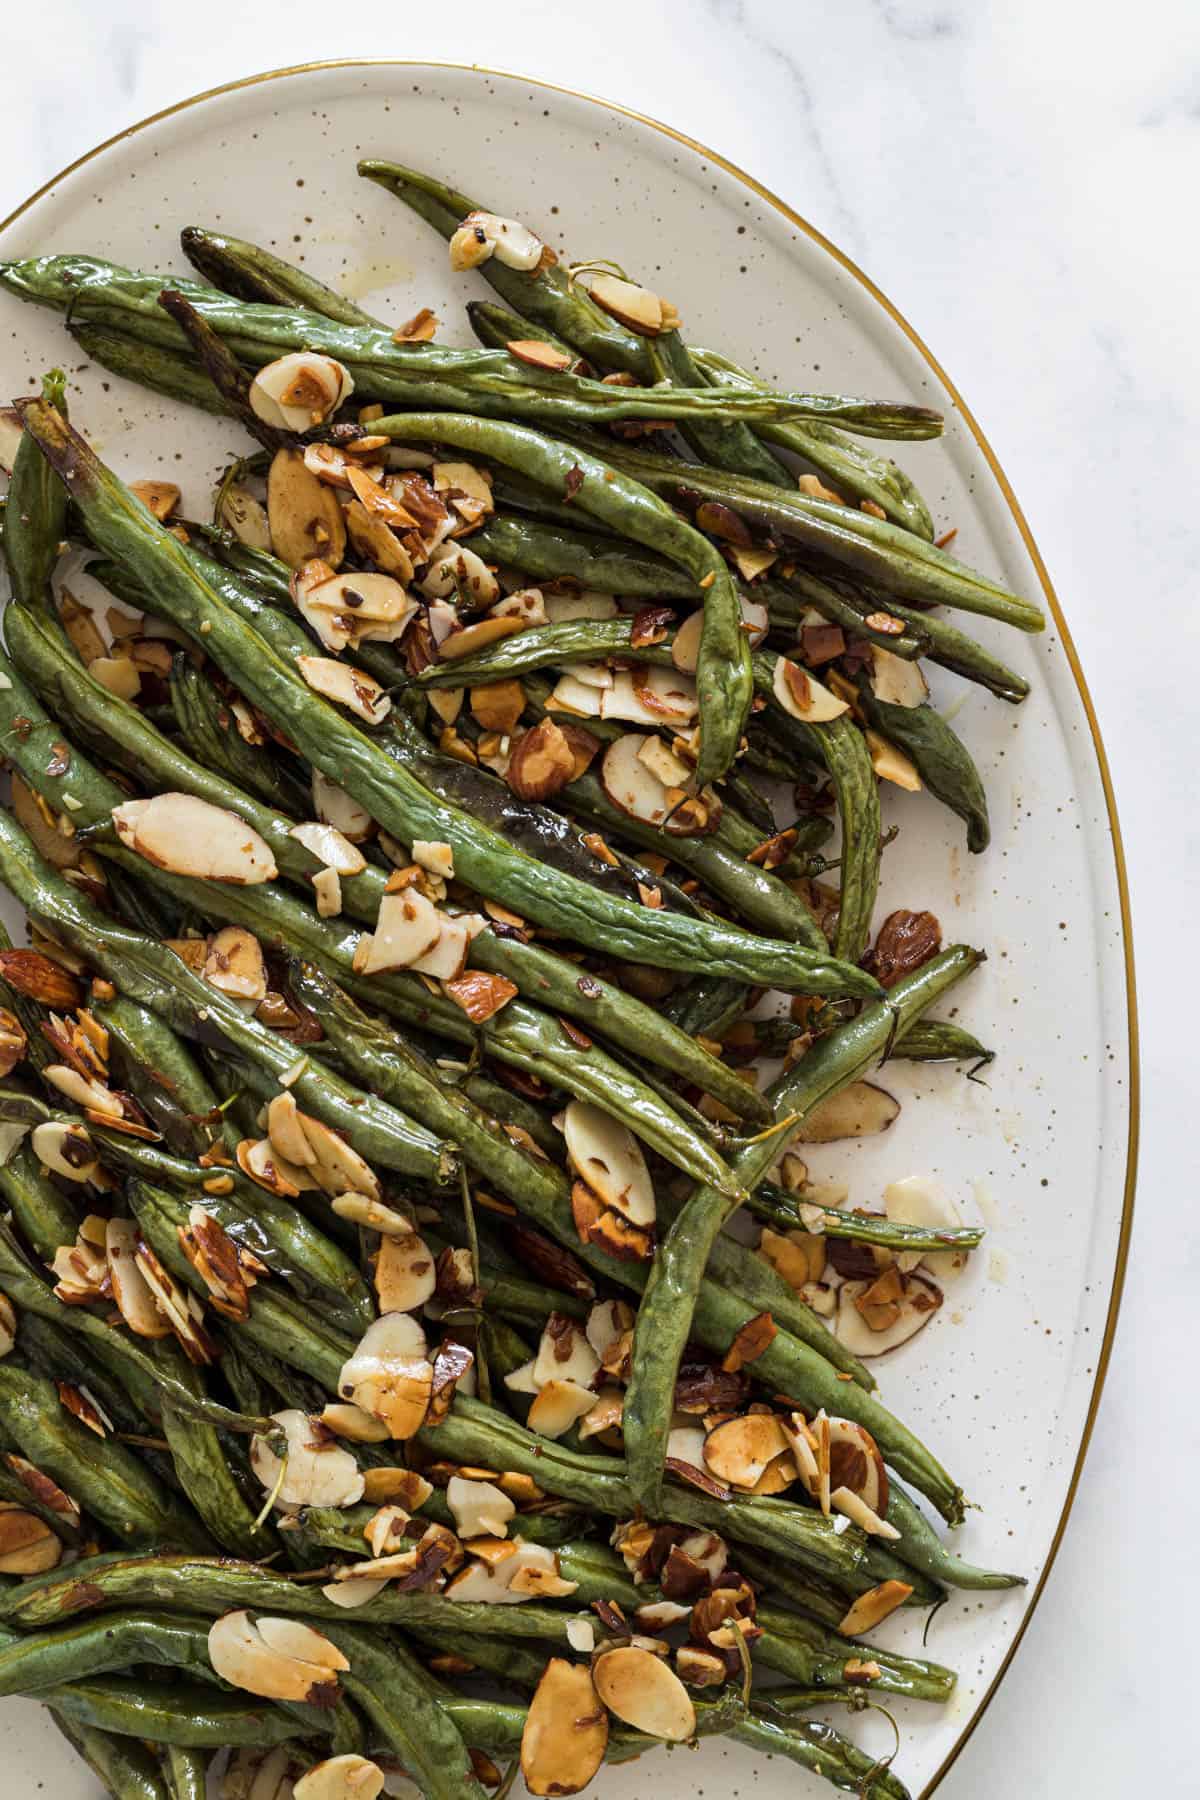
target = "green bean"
x: 489, y: 383
x: 14, y: 1493
x: 126, y: 1770
x: 817, y: 1746
x: 920, y: 1547
x: 723, y: 678
x: 548, y: 297
x: 209, y: 731
x: 259, y: 1221
x: 163, y: 370
x: 954, y: 649
x: 401, y: 804
x: 100, y: 1646
x: 940, y: 1040
x: 474, y: 1433
x: 806, y: 1652
x: 249, y: 272
x: 502, y: 1657
x: 759, y: 896
x: 204, y: 1475
x: 665, y: 1314
x: 847, y: 464
x: 708, y: 1005
x: 842, y: 748
x: 153, y: 974
x: 389, y: 1684
x: 164, y: 1074
x: 186, y: 1770
x: 869, y: 549
x: 42, y: 1213
x: 726, y: 444
x: 554, y: 552
x: 792, y: 1212
x: 553, y: 981
x: 145, y: 1373
x: 941, y: 759
x: 798, y: 1588
x: 36, y: 514
x: 184, y: 1717
x: 102, y: 1475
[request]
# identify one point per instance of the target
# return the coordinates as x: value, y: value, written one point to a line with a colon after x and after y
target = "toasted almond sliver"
x: 187, y: 836
x: 845, y: 1500
x: 643, y: 1691
x: 566, y: 1730
x: 873, y: 1608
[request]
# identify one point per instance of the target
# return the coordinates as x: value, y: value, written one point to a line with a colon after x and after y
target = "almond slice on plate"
x: 566, y: 1730
x: 645, y: 1692
x: 187, y: 836
x: 633, y: 305
x: 407, y: 927
x: 557, y: 1406
x: 589, y: 603
x: 859, y: 1110
x: 479, y: 1508
x: 304, y: 517
x: 130, y: 1289
x: 330, y: 847
x: 336, y: 1165
x: 871, y: 1321
x: 891, y: 764
x: 235, y: 965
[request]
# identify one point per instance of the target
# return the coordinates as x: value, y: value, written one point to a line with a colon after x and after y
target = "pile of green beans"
x: 634, y: 958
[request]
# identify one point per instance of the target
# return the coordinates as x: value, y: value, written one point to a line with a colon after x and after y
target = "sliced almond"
x: 587, y: 604
x: 645, y: 1692
x: 246, y: 517
x: 260, y: 1659
x: 557, y: 1406
x: 27, y: 1544
x: 65, y: 1148
x: 408, y: 926
x: 347, y: 686
x: 608, y: 1158
x: 334, y: 806
x: 130, y: 1289
x: 891, y: 764
x: 566, y: 1731
x: 346, y: 1777
x: 607, y: 1323
x: 855, y: 1508
x: 333, y: 850
x: 188, y: 836
x: 303, y: 514
x: 738, y: 1451
x: 119, y: 674
x: 259, y: 1159
x: 859, y: 1110
x: 542, y: 762
x: 803, y: 696
x: 235, y: 964
x: 373, y: 539
x: 405, y: 1274
x: 300, y: 390
x: 317, y: 1471
x: 337, y: 1165
x: 446, y: 959
x: 869, y: 1326
x: 539, y: 355
x: 372, y: 1215
x: 897, y: 680
x: 390, y: 1375
x: 479, y: 1508
x: 656, y: 697
x: 564, y: 1354
x: 799, y: 1256
x: 158, y: 497
x: 348, y: 1421
x: 919, y: 1201
x: 632, y: 305
x: 455, y: 569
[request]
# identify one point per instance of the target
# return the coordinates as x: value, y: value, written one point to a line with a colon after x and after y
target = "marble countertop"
x: 1020, y: 179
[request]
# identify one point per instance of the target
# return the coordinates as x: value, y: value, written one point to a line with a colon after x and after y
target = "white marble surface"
x: 1020, y: 179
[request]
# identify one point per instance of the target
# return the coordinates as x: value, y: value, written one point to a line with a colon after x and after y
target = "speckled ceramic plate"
x: 1004, y: 1381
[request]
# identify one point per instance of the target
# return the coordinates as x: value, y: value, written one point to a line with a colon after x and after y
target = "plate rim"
x: 825, y: 243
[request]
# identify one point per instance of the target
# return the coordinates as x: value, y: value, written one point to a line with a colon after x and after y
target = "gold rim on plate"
x: 1052, y: 602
